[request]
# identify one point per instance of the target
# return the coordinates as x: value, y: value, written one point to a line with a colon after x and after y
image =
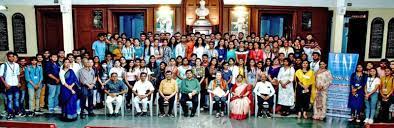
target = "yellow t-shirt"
x: 117, y: 53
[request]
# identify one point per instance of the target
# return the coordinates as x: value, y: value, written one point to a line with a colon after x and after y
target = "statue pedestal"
x: 203, y: 26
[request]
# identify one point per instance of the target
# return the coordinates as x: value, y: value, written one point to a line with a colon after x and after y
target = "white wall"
x: 28, y: 12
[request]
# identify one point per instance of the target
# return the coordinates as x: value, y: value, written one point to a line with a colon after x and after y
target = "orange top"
x: 189, y: 49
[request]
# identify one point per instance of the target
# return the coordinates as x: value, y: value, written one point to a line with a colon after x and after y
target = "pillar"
x: 337, y: 26
x: 68, y: 38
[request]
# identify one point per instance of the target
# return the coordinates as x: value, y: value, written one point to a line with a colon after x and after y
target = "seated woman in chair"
x: 115, y: 89
x: 218, y: 87
x: 241, y: 102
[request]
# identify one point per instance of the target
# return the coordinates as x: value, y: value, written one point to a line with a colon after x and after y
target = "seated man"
x: 190, y: 88
x: 142, y: 90
x: 115, y: 90
x: 264, y: 91
x: 168, y: 89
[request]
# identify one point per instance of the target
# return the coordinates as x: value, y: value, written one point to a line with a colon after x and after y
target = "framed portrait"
x: 98, y: 19
x: 239, y: 21
x: 164, y: 20
x: 307, y: 21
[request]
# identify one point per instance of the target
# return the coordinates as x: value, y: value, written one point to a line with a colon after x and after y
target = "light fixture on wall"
x: 3, y: 7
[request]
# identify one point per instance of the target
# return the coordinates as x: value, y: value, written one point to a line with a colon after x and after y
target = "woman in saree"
x: 323, y: 81
x: 68, y: 93
x: 241, y: 103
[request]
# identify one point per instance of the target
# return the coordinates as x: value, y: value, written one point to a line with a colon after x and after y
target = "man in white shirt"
x: 142, y: 90
x: 316, y: 60
x: 264, y: 91
x: 9, y: 75
x: 180, y: 49
x: 286, y: 49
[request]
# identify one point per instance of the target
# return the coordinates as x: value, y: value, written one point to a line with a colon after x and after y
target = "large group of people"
x: 227, y: 70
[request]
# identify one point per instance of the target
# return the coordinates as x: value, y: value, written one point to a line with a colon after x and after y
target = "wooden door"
x: 52, y: 31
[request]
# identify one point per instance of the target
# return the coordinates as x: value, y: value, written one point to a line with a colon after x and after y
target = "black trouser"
x: 384, y: 110
x: 260, y: 102
x: 86, y: 93
x: 303, y: 99
x: 170, y: 104
x: 129, y: 93
x: 184, y: 98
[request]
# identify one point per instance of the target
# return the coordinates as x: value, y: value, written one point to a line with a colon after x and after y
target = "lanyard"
x: 12, y: 68
x: 370, y: 82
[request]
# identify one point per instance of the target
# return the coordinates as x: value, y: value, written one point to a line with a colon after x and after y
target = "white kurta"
x: 286, y: 95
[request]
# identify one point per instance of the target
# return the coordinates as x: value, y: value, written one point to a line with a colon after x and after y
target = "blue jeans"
x: 370, y: 106
x: 12, y: 99
x: 53, y: 96
x: 22, y: 100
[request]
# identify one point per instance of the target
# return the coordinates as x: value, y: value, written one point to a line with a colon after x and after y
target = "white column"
x: 68, y: 38
x: 337, y: 26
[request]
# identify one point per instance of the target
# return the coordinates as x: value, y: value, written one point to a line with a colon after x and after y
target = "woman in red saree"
x: 241, y: 103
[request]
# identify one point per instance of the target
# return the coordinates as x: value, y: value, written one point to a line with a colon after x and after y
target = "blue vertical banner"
x: 341, y: 66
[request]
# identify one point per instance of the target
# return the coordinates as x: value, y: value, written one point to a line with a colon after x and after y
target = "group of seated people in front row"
x: 231, y: 69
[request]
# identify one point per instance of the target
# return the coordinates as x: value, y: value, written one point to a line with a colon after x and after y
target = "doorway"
x: 276, y: 24
x: 355, y: 34
x: 130, y: 23
x: 52, y: 31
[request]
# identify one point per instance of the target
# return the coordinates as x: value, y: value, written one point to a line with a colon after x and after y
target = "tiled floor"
x: 204, y: 121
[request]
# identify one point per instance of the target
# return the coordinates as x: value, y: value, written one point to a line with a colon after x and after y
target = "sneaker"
x: 172, y: 115
x: 9, y: 117
x: 192, y: 115
x: 350, y: 119
x: 161, y: 115
x: 370, y: 121
x: 268, y: 115
x: 358, y: 120
x: 217, y: 115
x: 138, y: 114
x: 222, y: 114
x: 366, y: 120
x: 260, y: 115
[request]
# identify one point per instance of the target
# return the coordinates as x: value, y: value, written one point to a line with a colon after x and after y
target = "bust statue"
x: 202, y: 11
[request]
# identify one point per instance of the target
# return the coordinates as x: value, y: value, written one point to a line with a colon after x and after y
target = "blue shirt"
x: 34, y: 74
x: 139, y: 52
x: 99, y: 48
x: 227, y: 75
x: 54, y: 69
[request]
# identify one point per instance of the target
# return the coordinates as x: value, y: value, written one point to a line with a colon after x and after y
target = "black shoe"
x: 91, y: 114
x: 138, y: 114
x: 109, y: 115
x: 9, y: 117
x: 116, y: 114
x: 268, y: 115
x: 143, y: 114
x: 185, y: 114
x: 82, y: 116
x: 192, y: 115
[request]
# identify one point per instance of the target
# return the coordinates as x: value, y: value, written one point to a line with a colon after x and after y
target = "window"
x: 376, y: 38
x: 390, y: 40
x: 19, y: 33
x: 3, y: 33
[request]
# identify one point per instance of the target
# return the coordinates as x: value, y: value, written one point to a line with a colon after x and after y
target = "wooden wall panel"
x: 226, y: 20
x: 84, y: 31
x: 150, y: 24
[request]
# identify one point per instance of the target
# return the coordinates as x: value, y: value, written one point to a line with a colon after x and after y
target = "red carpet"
x: 380, y: 125
x: 15, y: 124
